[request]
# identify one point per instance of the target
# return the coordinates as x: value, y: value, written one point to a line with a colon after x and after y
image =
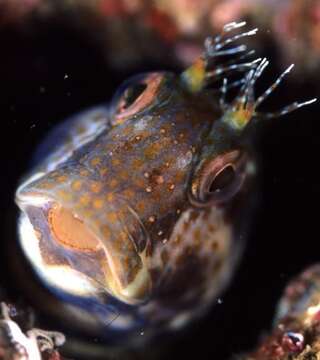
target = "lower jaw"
x: 59, y: 277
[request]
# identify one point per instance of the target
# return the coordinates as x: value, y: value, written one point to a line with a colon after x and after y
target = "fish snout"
x: 84, y: 252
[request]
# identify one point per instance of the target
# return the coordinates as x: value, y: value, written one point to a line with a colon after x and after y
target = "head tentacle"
x: 232, y: 67
x: 244, y: 107
x: 224, y: 89
x: 197, y: 76
x: 213, y: 46
x: 286, y: 109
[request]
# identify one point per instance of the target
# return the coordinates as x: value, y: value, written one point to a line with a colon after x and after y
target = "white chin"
x: 61, y: 277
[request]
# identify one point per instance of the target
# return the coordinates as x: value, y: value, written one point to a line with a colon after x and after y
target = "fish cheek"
x: 196, y: 259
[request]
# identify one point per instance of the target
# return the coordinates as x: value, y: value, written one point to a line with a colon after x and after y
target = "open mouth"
x: 70, y: 231
x: 73, y: 254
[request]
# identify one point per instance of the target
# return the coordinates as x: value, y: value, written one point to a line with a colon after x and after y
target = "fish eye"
x: 134, y: 95
x: 131, y: 94
x: 218, y: 180
x: 222, y: 180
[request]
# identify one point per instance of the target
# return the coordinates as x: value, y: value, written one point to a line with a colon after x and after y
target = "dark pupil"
x: 132, y: 93
x: 223, y: 179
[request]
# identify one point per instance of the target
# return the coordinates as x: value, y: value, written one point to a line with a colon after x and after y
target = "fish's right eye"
x: 134, y: 95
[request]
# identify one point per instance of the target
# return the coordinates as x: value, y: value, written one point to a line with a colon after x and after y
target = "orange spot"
x: 87, y: 213
x: 76, y: 185
x: 139, y: 182
x: 46, y: 185
x: 84, y: 172
x: 150, y: 152
x: 84, y: 199
x: 159, y: 179
x: 141, y: 206
x: 112, y: 217
x: 128, y: 193
x: 171, y: 187
x: 110, y: 197
x: 124, y: 175
x: 148, y: 189
x: 96, y: 187
x: 137, y: 163
x: 62, y: 178
x: 179, y: 176
x: 127, y: 146
x: 98, y: 203
x: 64, y: 195
x: 153, y: 150
x: 95, y: 161
x: 115, y: 161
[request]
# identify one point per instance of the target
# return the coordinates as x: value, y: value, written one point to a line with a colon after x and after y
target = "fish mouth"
x: 71, y: 253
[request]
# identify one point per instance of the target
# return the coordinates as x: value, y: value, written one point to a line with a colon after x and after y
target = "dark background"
x: 35, y: 95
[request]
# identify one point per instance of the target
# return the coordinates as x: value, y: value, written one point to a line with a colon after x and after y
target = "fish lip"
x: 25, y: 200
x: 28, y: 181
x: 28, y: 239
x: 135, y: 293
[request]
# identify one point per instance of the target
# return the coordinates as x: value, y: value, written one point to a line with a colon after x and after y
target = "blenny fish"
x: 132, y: 215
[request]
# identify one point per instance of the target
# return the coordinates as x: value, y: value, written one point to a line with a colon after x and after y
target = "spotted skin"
x: 131, y: 178
x: 139, y: 211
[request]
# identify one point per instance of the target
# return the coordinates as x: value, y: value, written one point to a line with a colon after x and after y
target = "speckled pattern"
x: 131, y: 181
x: 138, y: 201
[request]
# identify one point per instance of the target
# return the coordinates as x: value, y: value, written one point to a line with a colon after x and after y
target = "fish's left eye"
x: 131, y: 94
x: 218, y: 180
x: 134, y: 95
